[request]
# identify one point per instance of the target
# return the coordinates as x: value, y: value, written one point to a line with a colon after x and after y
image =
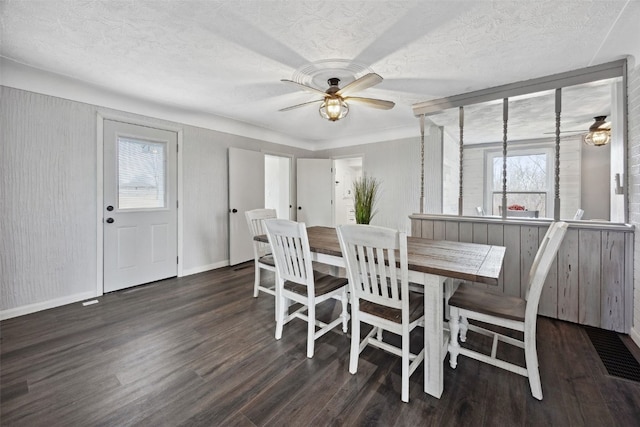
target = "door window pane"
x: 141, y: 174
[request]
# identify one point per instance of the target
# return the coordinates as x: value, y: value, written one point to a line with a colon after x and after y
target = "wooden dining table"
x: 431, y: 263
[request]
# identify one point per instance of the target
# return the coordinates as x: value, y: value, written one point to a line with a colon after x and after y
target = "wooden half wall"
x: 591, y: 281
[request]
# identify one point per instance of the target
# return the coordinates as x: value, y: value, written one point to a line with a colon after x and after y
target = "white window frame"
x: 514, y: 150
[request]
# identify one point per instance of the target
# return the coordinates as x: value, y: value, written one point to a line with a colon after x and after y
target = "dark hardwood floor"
x: 200, y: 350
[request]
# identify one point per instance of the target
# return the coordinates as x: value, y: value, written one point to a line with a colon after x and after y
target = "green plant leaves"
x: 365, y: 190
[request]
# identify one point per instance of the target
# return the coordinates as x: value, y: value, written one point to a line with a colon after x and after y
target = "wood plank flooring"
x: 200, y: 351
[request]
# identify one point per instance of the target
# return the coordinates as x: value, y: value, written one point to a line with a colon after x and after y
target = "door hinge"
x: 177, y: 148
x: 177, y: 260
x: 177, y: 205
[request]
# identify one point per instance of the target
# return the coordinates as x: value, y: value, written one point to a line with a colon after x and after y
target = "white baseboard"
x: 203, y: 268
x: 57, y: 302
x: 635, y: 336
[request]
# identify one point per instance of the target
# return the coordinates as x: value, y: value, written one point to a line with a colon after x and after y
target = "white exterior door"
x: 315, y: 192
x: 246, y: 192
x: 140, y: 205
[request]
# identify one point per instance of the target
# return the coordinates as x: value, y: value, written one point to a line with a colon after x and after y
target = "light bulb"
x: 597, y: 138
x: 334, y: 109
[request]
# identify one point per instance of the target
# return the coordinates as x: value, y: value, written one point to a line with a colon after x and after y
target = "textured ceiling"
x: 226, y: 58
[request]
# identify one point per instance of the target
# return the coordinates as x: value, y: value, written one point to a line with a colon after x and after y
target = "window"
x: 141, y: 174
x: 529, y: 181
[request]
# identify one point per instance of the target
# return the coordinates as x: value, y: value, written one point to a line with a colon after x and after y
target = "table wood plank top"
x: 459, y: 260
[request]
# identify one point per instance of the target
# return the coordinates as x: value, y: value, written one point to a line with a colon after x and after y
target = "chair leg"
x: 354, y: 354
x: 281, y: 306
x: 256, y: 281
x: 454, y: 346
x: 311, y: 328
x: 531, y: 360
x: 405, y: 364
x: 464, y: 327
x: 345, y: 315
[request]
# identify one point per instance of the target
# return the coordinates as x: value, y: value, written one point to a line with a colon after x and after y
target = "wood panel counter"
x: 591, y: 282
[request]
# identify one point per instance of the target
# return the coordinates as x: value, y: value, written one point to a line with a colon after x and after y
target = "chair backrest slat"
x: 290, y: 246
x: 255, y: 221
x: 376, y: 260
x: 541, y: 265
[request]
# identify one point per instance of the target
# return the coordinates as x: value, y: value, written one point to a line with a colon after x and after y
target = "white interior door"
x: 315, y: 192
x: 246, y: 192
x: 140, y: 205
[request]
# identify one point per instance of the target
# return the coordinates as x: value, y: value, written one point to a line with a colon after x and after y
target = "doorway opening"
x: 277, y: 184
x: 346, y: 171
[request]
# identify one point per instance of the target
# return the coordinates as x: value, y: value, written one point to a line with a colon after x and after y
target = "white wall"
x: 450, y: 175
x: 48, y: 198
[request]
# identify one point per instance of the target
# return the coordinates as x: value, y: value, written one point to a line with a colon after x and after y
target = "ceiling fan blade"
x: 565, y: 131
x: 371, y: 102
x: 305, y: 87
x: 362, y: 83
x: 300, y: 105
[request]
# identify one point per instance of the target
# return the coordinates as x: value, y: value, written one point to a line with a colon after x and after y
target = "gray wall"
x: 397, y: 165
x: 633, y: 168
x: 595, y: 181
x: 48, y: 197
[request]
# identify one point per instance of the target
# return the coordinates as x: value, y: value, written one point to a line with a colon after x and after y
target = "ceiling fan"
x: 334, y: 100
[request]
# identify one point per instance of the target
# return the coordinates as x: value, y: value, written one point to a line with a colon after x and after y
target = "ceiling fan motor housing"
x: 333, y: 85
x: 599, y: 121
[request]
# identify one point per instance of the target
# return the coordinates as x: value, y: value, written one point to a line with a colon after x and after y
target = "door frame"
x: 100, y: 118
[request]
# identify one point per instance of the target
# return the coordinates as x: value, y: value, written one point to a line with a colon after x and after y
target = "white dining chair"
x: 297, y: 281
x: 376, y: 262
x: 263, y: 260
x: 519, y: 314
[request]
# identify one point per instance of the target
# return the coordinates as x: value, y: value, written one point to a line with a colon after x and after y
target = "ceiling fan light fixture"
x: 334, y: 108
x: 597, y: 136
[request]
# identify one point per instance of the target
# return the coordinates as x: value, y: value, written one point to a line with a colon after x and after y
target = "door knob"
x: 234, y: 210
x: 299, y: 208
x: 109, y: 208
x: 110, y: 221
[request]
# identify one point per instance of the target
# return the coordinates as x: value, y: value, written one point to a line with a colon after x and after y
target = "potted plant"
x: 365, y: 191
